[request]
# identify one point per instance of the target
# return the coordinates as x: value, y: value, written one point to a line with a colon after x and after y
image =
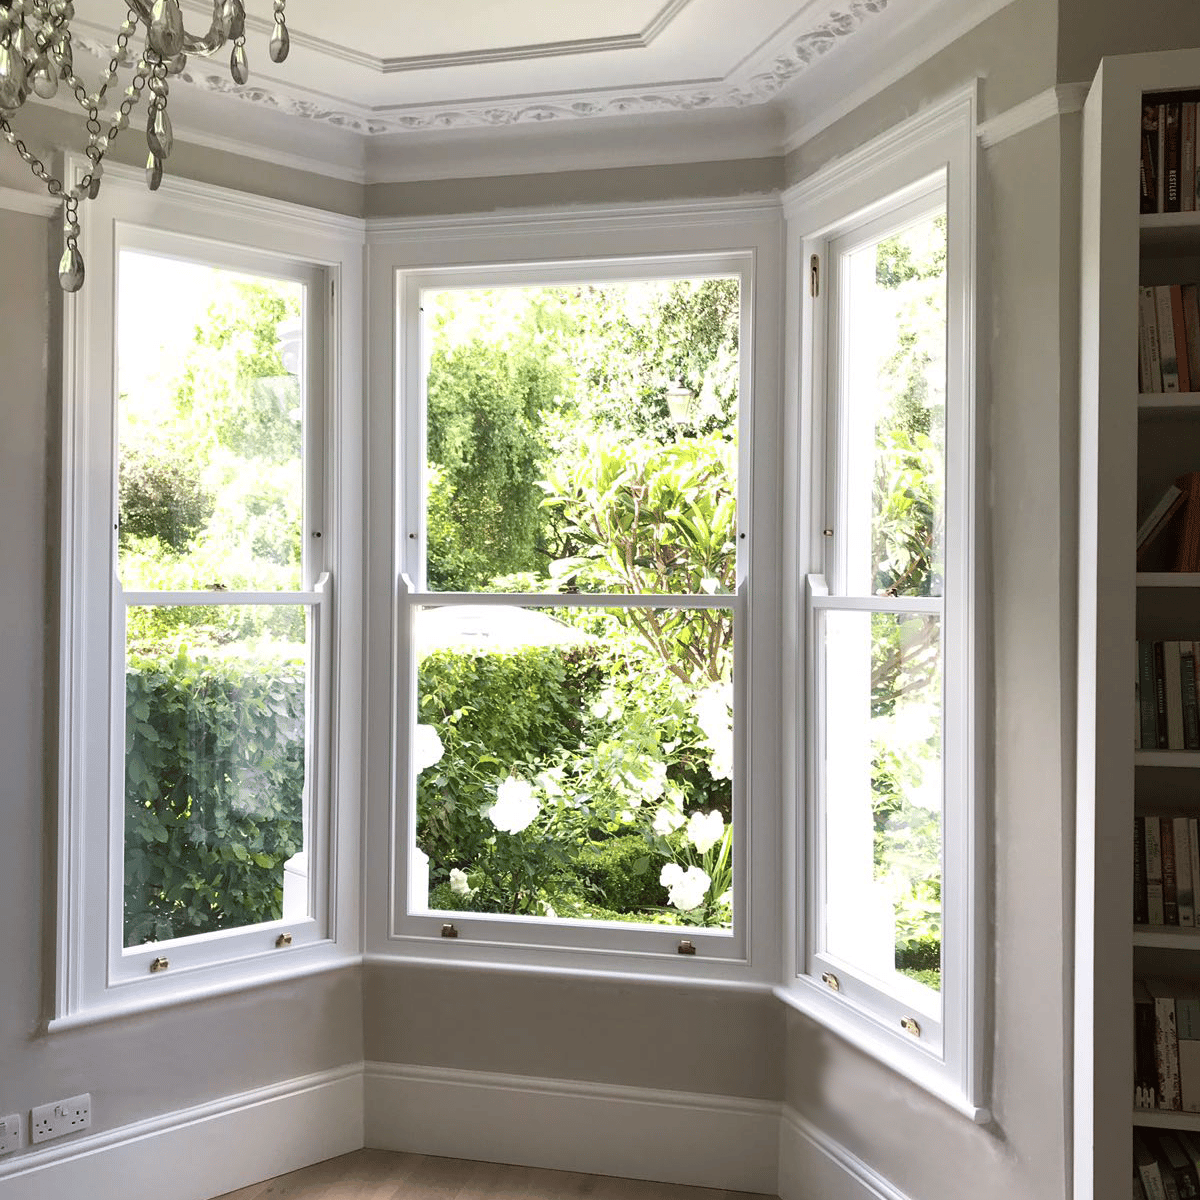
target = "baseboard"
x: 601, y: 1129
x: 812, y: 1166
x: 196, y: 1153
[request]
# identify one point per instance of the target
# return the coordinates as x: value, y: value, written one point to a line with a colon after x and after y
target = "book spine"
x: 1140, y: 907
x: 1191, y: 322
x: 1187, y: 545
x: 1187, y: 157
x: 1145, y: 1069
x: 1160, y: 697
x: 1160, y: 179
x: 1173, y: 687
x: 1187, y: 679
x: 1174, y: 111
x: 1179, y: 329
x: 1193, y: 844
x: 1152, y: 1181
x: 1147, y: 696
x: 1166, y: 339
x: 1166, y: 1053
x: 1169, y: 877
x: 1154, y: 872
x: 1184, y: 884
x: 1149, y: 181
x: 1148, y: 310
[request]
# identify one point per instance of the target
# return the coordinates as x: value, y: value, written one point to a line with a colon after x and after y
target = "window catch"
x: 284, y: 939
x: 831, y: 981
x: 814, y: 276
x: 687, y: 946
x: 159, y: 964
x: 909, y: 1025
x: 449, y: 931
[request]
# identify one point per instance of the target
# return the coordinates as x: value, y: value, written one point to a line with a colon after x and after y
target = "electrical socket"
x: 10, y: 1134
x: 60, y: 1118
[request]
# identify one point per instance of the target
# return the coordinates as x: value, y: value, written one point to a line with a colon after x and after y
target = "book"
x: 1147, y: 1167
x: 1187, y: 546
x: 1150, y: 159
x: 1145, y: 1069
x: 1148, y: 343
x: 1166, y: 339
x: 1169, y: 878
x: 1166, y: 1044
x: 1146, y: 692
x: 1174, y: 116
x: 1157, y: 519
x: 1187, y: 1027
x: 1191, y: 321
x: 1139, y: 1192
x: 1194, y: 859
x: 1179, y: 332
x: 1173, y: 689
x: 1160, y: 697
x: 1191, y: 713
x: 1141, y: 914
x: 1160, y: 179
x: 1184, y: 884
x: 1187, y: 157
x: 1154, y: 879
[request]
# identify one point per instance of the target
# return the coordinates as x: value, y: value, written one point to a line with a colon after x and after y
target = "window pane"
x: 894, y: 419
x: 883, y: 793
x: 576, y: 763
x: 215, y: 761
x: 210, y: 427
x: 582, y: 438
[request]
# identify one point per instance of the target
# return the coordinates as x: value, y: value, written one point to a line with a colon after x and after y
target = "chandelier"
x: 36, y: 55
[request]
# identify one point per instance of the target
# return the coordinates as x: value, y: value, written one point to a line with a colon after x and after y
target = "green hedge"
x: 214, y: 790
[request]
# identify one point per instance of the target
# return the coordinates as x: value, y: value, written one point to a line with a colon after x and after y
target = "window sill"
x: 866, y: 1035
x: 323, y: 960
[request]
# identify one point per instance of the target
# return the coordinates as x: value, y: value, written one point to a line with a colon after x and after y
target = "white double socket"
x: 10, y: 1133
x: 60, y: 1118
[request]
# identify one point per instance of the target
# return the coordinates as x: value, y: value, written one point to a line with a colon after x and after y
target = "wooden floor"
x: 380, y: 1175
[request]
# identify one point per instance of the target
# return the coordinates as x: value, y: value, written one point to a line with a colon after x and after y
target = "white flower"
x: 705, y: 830
x: 427, y: 748
x: 667, y: 819
x: 726, y: 897
x: 458, y: 883
x: 714, y: 715
x: 550, y: 781
x: 656, y: 784
x: 515, y: 806
x: 686, y: 889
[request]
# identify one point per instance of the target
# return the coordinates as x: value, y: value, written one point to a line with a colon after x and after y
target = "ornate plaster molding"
x: 768, y: 74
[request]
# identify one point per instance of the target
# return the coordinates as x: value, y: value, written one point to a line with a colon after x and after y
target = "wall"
x: 143, y: 1066
x: 1090, y: 29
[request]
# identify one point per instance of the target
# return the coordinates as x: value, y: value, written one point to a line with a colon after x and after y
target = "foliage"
x: 162, y: 496
x: 214, y: 789
x: 622, y: 872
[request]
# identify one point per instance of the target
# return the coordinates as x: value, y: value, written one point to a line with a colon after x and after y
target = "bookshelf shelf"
x: 1168, y: 579
x: 1159, y: 937
x: 1167, y: 758
x: 1157, y: 405
x: 1149, y: 1117
x: 1170, y: 233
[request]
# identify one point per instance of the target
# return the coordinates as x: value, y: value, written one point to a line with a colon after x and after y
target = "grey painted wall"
x: 139, y: 1067
x: 1090, y: 29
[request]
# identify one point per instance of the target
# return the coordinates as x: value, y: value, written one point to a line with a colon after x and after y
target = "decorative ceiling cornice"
x: 768, y: 73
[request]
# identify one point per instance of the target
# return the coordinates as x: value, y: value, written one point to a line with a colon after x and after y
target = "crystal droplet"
x: 239, y: 65
x: 159, y: 134
x: 96, y: 171
x: 70, y: 269
x: 165, y: 32
x: 176, y: 65
x: 236, y: 15
x: 281, y: 42
x: 12, y: 77
x: 64, y: 59
x: 154, y: 172
x: 43, y: 80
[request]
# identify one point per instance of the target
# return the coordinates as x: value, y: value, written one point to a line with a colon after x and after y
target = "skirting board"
x: 196, y: 1153
x: 601, y: 1129
x: 812, y: 1166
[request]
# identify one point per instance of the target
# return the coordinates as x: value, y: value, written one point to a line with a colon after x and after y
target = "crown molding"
x: 1053, y: 102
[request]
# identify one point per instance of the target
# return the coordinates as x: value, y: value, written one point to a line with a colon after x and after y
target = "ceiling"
x: 369, y: 84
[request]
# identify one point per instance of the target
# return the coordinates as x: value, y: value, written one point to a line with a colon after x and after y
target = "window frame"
x: 97, y: 976
x: 638, y: 243
x: 934, y: 150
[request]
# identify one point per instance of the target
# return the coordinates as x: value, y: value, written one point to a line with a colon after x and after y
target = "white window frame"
x: 640, y: 243
x: 930, y: 155
x: 97, y: 977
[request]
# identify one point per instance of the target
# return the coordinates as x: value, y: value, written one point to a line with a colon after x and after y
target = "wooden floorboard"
x: 381, y: 1175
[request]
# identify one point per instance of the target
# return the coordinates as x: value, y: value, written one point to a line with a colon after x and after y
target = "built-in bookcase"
x: 1133, y: 446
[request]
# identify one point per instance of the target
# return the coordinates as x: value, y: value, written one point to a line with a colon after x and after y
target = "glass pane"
x: 894, y: 419
x: 215, y: 761
x: 576, y: 763
x: 883, y: 793
x: 210, y: 427
x: 582, y: 438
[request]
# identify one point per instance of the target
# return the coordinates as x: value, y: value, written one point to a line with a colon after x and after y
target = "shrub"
x: 162, y: 497
x: 214, y: 791
x: 622, y: 873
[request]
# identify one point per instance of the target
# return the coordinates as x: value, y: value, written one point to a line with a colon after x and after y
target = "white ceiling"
x: 365, y: 77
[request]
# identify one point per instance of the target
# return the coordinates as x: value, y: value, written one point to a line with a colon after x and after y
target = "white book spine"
x: 1148, y: 360
x: 1166, y: 339
x: 1154, y: 881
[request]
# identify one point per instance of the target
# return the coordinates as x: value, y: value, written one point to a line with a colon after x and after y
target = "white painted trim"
x: 806, y: 1156
x: 1053, y: 102
x: 597, y: 1128
x: 226, y: 1144
x: 896, y: 146
x: 585, y: 219
x: 35, y: 204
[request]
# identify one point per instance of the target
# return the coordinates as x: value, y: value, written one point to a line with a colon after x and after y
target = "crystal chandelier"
x: 36, y: 54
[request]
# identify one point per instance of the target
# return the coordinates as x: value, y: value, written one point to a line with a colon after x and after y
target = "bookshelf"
x: 1133, y: 444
